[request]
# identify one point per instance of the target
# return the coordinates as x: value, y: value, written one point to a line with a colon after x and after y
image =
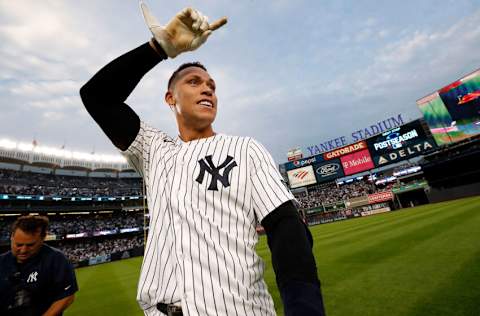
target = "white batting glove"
x: 185, y: 32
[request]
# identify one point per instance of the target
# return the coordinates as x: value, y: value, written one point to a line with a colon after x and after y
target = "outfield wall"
x: 445, y: 194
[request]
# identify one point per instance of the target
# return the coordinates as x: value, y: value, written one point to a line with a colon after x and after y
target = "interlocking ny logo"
x: 32, y: 277
x: 208, y: 166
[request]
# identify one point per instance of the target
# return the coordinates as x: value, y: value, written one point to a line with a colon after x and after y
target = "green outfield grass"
x: 419, y: 261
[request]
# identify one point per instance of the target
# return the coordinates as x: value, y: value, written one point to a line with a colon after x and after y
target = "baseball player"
x: 206, y: 191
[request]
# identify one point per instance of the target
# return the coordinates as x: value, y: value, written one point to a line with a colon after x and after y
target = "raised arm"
x: 105, y: 93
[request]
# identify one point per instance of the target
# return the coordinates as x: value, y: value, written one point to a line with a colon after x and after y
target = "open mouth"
x: 206, y: 103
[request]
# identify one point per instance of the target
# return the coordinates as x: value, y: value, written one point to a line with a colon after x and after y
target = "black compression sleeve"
x: 105, y: 93
x: 291, y: 244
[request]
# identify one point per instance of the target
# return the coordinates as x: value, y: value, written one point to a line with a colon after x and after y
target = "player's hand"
x: 185, y: 32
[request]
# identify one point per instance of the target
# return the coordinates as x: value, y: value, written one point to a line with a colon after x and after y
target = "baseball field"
x: 417, y: 261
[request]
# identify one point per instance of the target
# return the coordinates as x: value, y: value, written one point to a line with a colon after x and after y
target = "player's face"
x: 194, y: 98
x: 25, y: 245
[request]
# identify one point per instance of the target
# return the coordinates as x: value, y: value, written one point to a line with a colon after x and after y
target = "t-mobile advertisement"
x: 356, y: 162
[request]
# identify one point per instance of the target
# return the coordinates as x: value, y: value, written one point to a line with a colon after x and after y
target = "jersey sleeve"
x: 268, y: 188
x: 138, y: 153
x: 64, y: 280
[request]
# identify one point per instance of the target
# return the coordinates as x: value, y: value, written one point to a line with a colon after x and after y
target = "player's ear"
x: 169, y: 98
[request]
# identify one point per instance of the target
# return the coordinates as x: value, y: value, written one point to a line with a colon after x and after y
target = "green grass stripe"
x: 415, y: 264
x: 108, y: 289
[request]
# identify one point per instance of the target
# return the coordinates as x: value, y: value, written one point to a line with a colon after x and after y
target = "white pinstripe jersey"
x: 200, y: 250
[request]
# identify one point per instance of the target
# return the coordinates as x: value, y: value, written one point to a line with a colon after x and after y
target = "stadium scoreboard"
x: 391, y: 146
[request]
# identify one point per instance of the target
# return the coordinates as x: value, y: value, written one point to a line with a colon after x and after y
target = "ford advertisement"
x: 328, y: 170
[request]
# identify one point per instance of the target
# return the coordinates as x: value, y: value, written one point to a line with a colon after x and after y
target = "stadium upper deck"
x: 19, y: 154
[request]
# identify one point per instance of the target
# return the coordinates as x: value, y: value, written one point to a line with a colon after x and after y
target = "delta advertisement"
x: 400, y: 143
x: 301, y: 177
x: 328, y: 170
x: 357, y: 162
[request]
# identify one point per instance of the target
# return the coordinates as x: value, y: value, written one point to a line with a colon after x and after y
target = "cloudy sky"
x: 289, y: 73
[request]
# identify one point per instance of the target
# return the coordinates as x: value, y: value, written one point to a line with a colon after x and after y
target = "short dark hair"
x: 183, y: 66
x: 30, y: 224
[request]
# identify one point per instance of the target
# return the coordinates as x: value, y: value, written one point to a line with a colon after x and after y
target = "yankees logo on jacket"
x: 205, y: 199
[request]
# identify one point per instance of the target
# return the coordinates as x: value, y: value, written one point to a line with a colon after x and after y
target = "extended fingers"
x: 218, y: 24
x: 197, y: 19
x: 148, y: 16
x: 200, y: 21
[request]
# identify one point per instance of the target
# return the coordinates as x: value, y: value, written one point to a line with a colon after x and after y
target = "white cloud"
x: 408, y: 63
x: 31, y: 25
x: 42, y: 89
x: 59, y: 103
x: 53, y: 116
x: 301, y: 71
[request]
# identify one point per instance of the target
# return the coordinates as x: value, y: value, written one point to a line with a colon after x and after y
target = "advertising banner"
x: 301, y: 177
x: 303, y: 162
x: 334, y: 207
x: 377, y: 211
x: 345, y: 150
x: 294, y: 154
x: 98, y: 259
x: 410, y: 187
x: 380, y: 197
x: 357, y: 201
x: 400, y: 143
x: 356, y: 162
x: 328, y: 170
x: 406, y: 152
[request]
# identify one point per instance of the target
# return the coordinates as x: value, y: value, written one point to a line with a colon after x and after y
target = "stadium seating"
x: 30, y: 183
x: 94, y: 229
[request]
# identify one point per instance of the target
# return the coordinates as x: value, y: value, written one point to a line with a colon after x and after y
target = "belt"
x: 170, y: 309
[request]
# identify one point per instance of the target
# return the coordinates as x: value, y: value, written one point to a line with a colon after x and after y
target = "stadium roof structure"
x: 42, y: 156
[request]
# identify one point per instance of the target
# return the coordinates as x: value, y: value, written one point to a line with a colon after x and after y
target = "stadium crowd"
x: 90, y: 225
x: 111, y: 223
x: 31, y: 183
x: 85, y: 248
x: 331, y: 192
x: 90, y: 248
x: 71, y: 224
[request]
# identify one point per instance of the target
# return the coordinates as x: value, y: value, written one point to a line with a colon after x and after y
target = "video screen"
x: 400, y: 143
x: 453, y: 112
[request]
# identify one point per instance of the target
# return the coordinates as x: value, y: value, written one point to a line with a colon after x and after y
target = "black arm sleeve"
x: 105, y: 93
x: 291, y: 244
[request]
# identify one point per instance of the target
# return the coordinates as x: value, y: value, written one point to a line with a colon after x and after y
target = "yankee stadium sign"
x: 356, y: 136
